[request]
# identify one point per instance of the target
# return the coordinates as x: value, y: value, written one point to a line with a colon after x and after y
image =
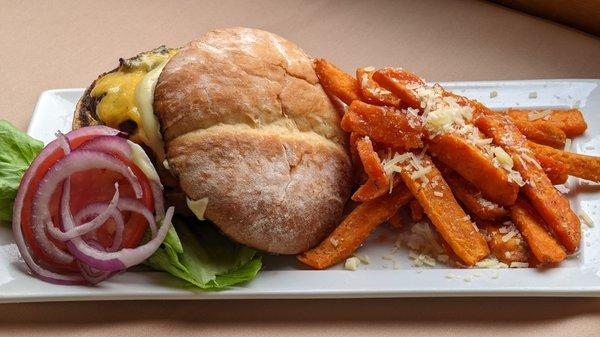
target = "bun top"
x: 247, y: 125
x: 243, y: 75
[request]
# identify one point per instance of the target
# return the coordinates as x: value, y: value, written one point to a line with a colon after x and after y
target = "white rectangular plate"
x: 283, y: 277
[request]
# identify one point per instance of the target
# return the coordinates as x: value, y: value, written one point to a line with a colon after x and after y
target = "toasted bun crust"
x: 247, y: 125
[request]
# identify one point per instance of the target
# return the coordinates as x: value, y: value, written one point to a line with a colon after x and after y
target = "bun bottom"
x: 289, y: 207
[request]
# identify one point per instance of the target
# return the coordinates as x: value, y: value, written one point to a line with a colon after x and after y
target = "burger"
x: 240, y: 131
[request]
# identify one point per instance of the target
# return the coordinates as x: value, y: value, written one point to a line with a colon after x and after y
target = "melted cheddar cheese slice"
x: 127, y: 95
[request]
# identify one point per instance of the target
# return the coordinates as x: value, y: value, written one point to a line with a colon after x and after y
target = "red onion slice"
x: 63, y: 142
x: 132, y: 205
x: 76, y: 161
x: 123, y: 148
x: 108, y: 144
x: 94, y: 210
x: 159, y: 204
x: 37, y: 270
x: 79, y: 230
x: 91, y: 275
x: 42, y: 157
x: 124, y: 258
x: 95, y: 262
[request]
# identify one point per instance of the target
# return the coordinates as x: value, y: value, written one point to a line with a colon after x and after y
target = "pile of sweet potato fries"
x: 484, y: 179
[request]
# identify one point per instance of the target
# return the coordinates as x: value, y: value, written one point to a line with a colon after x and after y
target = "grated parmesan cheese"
x: 509, y: 236
x: 364, y: 81
x: 334, y: 242
x: 519, y: 265
x: 451, y: 276
x: 352, y: 263
x: 586, y: 218
x: 438, y: 194
x: 443, y: 115
x: 503, y: 158
x: 420, y: 173
x: 363, y: 258
x: 535, y: 114
x: 567, y: 147
x: 491, y: 263
x: 526, y: 157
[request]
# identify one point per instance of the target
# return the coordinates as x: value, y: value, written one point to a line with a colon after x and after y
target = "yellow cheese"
x: 198, y: 207
x: 120, y: 97
x: 141, y: 160
x: 149, y: 122
x: 119, y: 103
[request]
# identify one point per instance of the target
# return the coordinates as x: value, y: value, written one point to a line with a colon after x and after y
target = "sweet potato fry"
x: 570, y: 121
x: 396, y: 221
x: 514, y: 249
x: 578, y: 165
x: 468, y: 161
x: 472, y: 199
x: 384, y: 125
x: 354, y: 137
x: 369, y: 191
x: 336, y: 82
x: 552, y: 206
x: 371, y: 162
x: 542, y: 133
x: 557, y: 172
x: 355, y: 229
x: 416, y: 211
x: 397, y: 81
x: 451, y: 222
x: 542, y: 244
x: 371, y: 92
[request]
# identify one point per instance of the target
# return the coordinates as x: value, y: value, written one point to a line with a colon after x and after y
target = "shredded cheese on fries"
x: 535, y: 114
x: 442, y: 115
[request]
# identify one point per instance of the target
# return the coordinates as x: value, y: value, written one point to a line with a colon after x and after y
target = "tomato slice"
x: 88, y: 187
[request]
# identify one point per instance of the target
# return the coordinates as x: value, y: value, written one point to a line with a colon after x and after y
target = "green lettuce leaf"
x: 17, y: 151
x: 203, y: 257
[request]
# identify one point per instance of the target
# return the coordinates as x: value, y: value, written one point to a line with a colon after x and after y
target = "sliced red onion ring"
x: 132, y: 205
x: 92, y: 275
x: 108, y: 144
x: 159, y: 204
x: 42, y: 157
x: 122, y: 147
x: 112, y: 261
x: 89, y: 255
x: 124, y: 258
x: 63, y: 141
x: 87, y: 227
x: 76, y: 161
x: 94, y: 210
x: 36, y: 269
